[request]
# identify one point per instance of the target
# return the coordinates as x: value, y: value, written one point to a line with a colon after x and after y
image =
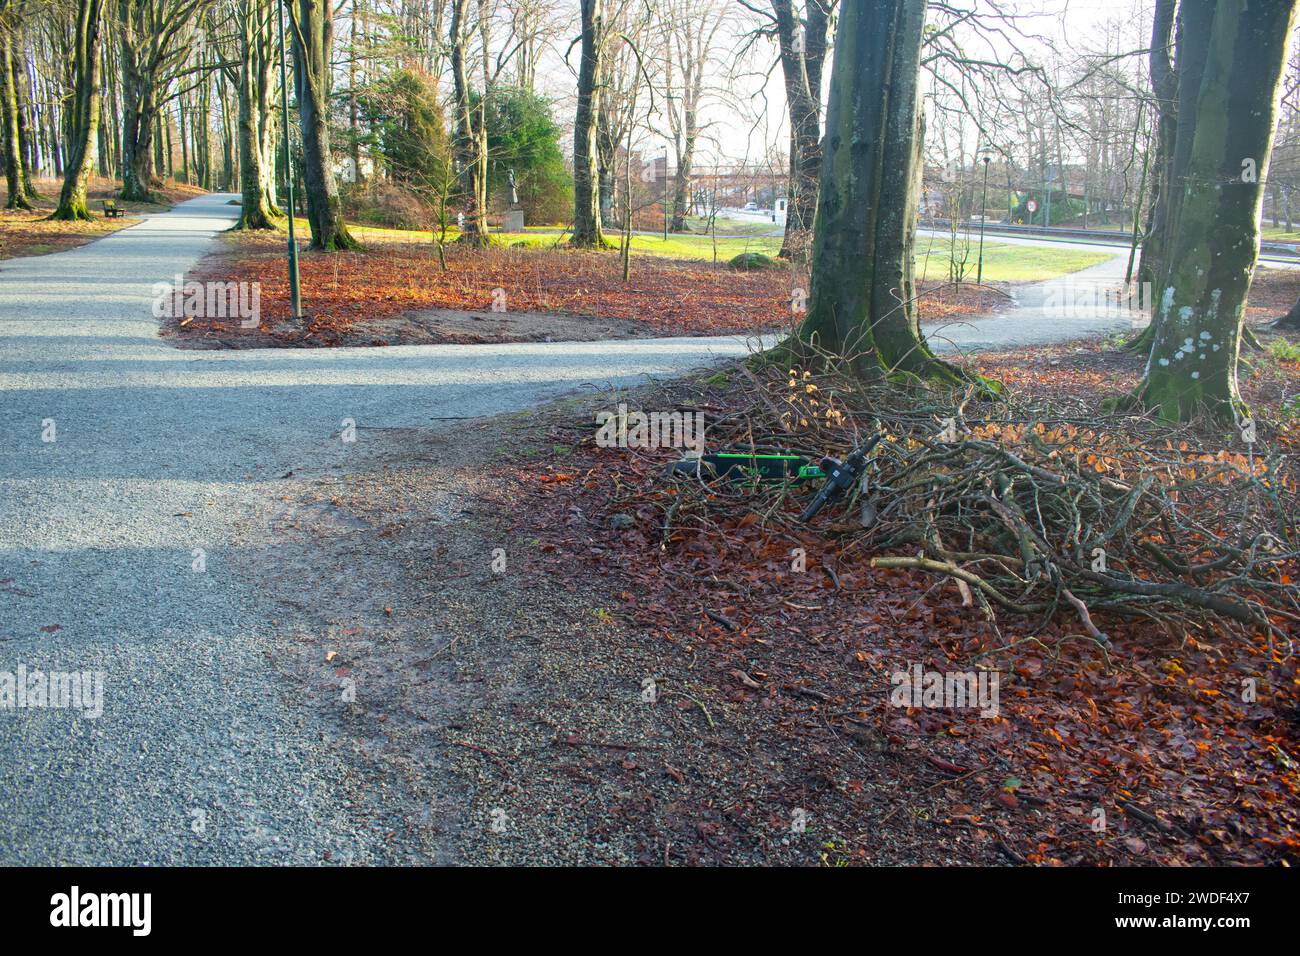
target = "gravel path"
x: 201, y: 755
x: 159, y: 452
x: 1074, y: 306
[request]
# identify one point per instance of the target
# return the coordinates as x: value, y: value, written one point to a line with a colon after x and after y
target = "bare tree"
x: 255, y: 134
x: 313, y: 41
x: 586, y: 173
x: 690, y: 29
x: 803, y: 44
x: 471, y: 133
x: 153, y: 43
x: 81, y: 127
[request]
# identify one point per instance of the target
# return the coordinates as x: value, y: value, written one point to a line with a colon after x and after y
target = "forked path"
x: 126, y: 541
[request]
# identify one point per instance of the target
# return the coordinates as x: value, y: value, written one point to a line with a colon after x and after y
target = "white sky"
x: 752, y: 121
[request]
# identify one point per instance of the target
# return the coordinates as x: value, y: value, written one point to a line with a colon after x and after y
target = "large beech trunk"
x: 83, y: 113
x: 1214, y: 239
x: 138, y: 109
x: 255, y: 82
x: 861, y: 299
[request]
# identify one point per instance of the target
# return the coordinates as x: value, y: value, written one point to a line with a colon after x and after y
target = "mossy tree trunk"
x: 12, y: 158
x: 586, y: 172
x: 1200, y: 302
x: 1164, y: 91
x: 254, y: 84
x: 83, y: 113
x: 313, y: 38
x: 1176, y: 96
x: 860, y: 306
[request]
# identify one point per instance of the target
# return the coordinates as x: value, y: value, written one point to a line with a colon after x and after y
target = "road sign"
x: 1031, y: 206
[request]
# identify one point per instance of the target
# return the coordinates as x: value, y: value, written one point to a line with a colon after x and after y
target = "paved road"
x: 1079, y: 305
x: 158, y: 454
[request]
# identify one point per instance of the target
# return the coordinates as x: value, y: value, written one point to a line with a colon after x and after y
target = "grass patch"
x: 1004, y: 262
x: 1280, y: 234
x: 1285, y: 351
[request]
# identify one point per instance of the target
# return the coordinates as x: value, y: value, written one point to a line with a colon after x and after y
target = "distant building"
x: 346, y: 172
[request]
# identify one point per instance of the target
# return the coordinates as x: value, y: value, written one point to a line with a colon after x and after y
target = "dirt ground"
x: 524, y: 685
x: 1272, y: 293
x: 513, y: 706
x: 396, y: 293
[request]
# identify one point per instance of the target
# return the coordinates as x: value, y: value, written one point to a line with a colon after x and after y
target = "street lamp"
x: 1011, y: 196
x: 984, y: 204
x: 294, y: 300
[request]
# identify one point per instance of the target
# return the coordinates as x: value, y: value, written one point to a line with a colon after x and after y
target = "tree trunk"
x: 313, y: 35
x: 861, y: 299
x: 83, y: 139
x: 607, y: 164
x: 471, y: 138
x: 1174, y: 93
x: 682, y: 177
x: 138, y: 110
x: 12, y: 157
x: 802, y: 58
x: 257, y: 209
x: 1215, y: 233
x: 26, y: 133
x: 1290, y: 321
x: 586, y: 175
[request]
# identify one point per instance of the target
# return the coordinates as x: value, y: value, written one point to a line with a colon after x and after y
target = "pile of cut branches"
x: 1033, y: 510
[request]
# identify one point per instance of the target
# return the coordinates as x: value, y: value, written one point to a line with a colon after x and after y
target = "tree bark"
x: 607, y: 165
x: 471, y: 138
x: 255, y: 80
x: 1164, y: 89
x: 682, y: 175
x: 138, y: 108
x: 1290, y: 321
x: 802, y: 57
x: 861, y: 299
x: 12, y: 157
x: 26, y: 133
x: 1224, y: 152
x: 586, y: 174
x: 83, y: 129
x: 313, y: 36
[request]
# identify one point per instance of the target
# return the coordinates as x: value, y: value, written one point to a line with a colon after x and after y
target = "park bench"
x: 111, y: 209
